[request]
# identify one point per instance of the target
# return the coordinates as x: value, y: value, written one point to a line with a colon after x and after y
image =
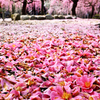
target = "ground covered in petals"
x: 50, y: 60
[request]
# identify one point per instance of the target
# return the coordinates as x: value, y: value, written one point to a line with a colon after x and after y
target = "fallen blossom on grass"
x: 56, y: 62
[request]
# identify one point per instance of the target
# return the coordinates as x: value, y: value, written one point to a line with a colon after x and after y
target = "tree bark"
x: 92, y: 11
x: 74, y: 7
x: 33, y: 10
x: 24, y: 7
x: 13, y: 9
x: 3, y: 13
x: 42, y: 7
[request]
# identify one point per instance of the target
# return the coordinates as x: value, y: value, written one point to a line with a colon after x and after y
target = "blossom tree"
x: 25, y: 4
x: 92, y: 4
x: 6, y: 3
x: 98, y: 8
x: 79, y: 7
x: 66, y: 3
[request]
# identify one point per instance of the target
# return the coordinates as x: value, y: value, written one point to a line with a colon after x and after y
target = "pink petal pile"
x: 65, y: 67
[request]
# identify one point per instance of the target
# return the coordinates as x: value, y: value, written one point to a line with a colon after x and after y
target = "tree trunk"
x: 13, y: 9
x: 92, y: 13
x: 24, y: 7
x: 33, y: 10
x: 3, y: 13
x: 42, y: 7
x: 74, y: 7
